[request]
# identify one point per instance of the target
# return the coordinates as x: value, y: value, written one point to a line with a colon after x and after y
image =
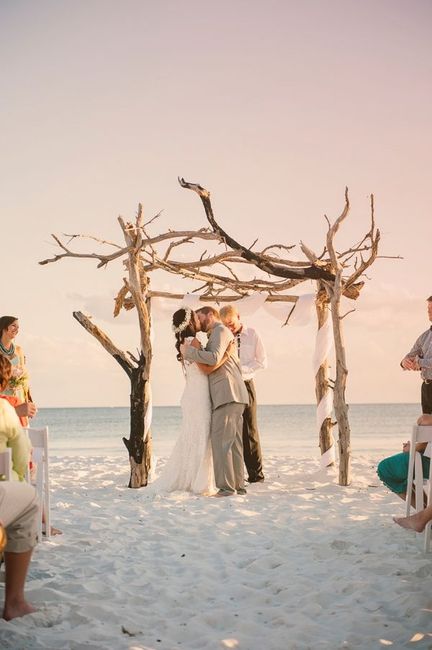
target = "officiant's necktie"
x: 238, y: 344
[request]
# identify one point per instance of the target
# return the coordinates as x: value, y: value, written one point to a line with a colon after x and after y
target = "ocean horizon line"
x: 126, y: 406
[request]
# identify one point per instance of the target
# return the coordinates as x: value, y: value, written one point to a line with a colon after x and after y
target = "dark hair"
x: 429, y: 299
x: 5, y: 371
x: 209, y: 310
x: 5, y: 321
x: 189, y: 330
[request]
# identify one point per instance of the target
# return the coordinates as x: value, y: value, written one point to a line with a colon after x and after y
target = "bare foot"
x: 414, y: 522
x: 15, y: 610
x: 54, y: 531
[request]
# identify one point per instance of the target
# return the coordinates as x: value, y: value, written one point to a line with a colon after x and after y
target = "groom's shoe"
x: 241, y: 491
x: 256, y: 479
x: 224, y: 493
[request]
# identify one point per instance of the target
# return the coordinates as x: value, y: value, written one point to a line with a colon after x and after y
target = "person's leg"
x: 222, y: 436
x: 16, y: 566
x: 393, y: 472
x: 426, y: 398
x: 416, y: 522
x: 237, y: 447
x: 19, y: 512
x: 251, y: 442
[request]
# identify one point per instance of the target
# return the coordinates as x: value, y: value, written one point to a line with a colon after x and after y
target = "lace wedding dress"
x: 190, y: 466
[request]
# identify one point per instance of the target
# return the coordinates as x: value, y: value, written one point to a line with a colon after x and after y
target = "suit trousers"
x: 18, y: 513
x: 251, y: 442
x: 227, y: 446
x: 426, y: 398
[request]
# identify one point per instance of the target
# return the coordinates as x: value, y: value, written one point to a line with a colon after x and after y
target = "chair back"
x: 39, y: 441
x: 6, y: 464
x: 423, y: 489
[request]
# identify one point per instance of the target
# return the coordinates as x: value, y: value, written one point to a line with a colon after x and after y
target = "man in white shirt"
x: 252, y: 358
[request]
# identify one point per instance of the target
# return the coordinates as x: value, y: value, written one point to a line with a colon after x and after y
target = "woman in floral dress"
x: 17, y: 390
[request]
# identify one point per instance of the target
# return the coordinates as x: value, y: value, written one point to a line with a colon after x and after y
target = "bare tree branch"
x: 311, y: 272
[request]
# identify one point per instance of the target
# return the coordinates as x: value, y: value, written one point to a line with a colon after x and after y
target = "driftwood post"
x: 346, y: 286
x: 322, y: 385
x: 139, y: 442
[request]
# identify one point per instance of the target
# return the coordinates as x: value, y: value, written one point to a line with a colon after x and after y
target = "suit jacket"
x: 226, y: 383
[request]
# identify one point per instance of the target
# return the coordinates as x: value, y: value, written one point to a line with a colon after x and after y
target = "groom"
x: 229, y: 397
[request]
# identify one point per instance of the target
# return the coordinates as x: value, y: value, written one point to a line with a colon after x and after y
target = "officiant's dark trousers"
x: 251, y: 441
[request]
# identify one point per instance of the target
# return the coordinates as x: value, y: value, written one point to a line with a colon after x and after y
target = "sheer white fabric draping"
x: 300, y: 313
x: 323, y: 347
x: 149, y: 413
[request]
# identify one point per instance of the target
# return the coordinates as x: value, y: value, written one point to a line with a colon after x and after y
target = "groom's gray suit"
x: 229, y: 396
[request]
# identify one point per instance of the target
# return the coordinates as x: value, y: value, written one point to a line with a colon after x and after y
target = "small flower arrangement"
x: 19, y: 379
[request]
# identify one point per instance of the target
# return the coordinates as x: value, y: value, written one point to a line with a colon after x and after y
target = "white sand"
x: 297, y: 563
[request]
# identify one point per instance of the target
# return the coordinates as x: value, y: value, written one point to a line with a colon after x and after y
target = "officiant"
x: 252, y: 357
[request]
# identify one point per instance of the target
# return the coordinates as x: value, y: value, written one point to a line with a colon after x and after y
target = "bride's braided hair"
x: 187, y: 330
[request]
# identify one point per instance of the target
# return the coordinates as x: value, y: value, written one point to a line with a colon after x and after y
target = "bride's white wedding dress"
x: 190, y: 466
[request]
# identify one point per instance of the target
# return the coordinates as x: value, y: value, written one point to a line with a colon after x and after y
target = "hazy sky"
x: 274, y: 106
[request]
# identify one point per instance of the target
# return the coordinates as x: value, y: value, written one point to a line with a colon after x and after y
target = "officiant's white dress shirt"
x: 253, y: 356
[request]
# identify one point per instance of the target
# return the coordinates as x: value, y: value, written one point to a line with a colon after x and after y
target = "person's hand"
x: 409, y: 364
x: 3, y: 538
x: 406, y: 447
x: 416, y: 365
x: 195, y: 344
x: 425, y: 420
x: 27, y: 409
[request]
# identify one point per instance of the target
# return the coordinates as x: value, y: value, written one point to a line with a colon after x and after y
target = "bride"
x: 190, y: 466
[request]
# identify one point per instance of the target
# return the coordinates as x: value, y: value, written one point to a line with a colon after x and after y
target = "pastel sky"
x: 273, y: 106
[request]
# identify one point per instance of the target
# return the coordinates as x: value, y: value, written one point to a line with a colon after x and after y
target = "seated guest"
x: 11, y: 433
x: 18, y: 526
x: 393, y: 471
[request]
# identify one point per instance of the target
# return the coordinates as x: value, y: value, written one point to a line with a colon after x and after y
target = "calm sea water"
x: 376, y: 429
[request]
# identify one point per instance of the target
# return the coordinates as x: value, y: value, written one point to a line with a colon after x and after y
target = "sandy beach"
x: 298, y: 562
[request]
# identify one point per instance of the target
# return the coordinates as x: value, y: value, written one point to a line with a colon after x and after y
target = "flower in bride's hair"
x: 185, y: 322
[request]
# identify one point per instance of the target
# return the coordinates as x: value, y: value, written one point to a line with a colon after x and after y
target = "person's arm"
x: 218, y: 342
x: 409, y: 360
x: 11, y: 435
x: 259, y: 361
x: 26, y: 410
x: 420, y: 446
x: 425, y: 363
x: 207, y: 370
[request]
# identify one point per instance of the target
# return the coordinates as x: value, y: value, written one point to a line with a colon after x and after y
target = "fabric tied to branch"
x: 149, y: 412
x: 300, y: 313
x: 323, y: 347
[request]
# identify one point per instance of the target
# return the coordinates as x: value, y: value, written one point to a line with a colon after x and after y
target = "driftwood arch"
x: 219, y: 279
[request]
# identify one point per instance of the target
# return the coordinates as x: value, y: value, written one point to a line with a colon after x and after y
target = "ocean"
x: 286, y: 430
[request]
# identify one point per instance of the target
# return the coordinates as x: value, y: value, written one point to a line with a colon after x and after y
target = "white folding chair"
x: 6, y: 464
x: 423, y: 488
x: 39, y: 442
